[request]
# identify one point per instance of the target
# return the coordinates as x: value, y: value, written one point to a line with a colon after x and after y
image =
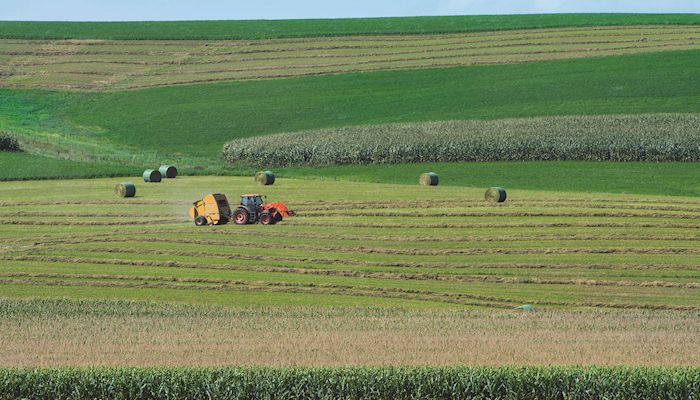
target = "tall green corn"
x: 532, y: 383
x: 646, y: 137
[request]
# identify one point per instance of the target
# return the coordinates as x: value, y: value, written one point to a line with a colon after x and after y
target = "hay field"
x: 354, y: 244
x: 90, y: 64
x: 377, y: 268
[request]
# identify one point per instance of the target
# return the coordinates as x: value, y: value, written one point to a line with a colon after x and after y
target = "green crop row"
x: 627, y: 383
x: 644, y: 137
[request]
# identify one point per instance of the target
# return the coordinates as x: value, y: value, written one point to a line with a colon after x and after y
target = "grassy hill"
x: 420, y: 77
x: 187, y: 125
x: 108, y: 64
x: 266, y: 29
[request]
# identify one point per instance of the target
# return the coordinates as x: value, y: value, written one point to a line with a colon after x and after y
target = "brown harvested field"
x: 321, y: 337
x: 111, y: 64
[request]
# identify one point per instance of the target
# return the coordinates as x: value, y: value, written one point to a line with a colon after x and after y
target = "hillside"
x: 108, y: 65
x: 126, y: 127
x: 270, y: 29
x: 64, y: 99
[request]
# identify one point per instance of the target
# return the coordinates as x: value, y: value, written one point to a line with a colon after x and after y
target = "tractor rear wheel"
x: 200, y: 221
x: 240, y: 217
x: 266, y: 218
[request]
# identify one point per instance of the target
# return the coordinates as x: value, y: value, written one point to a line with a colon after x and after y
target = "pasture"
x: 270, y: 29
x: 125, y: 128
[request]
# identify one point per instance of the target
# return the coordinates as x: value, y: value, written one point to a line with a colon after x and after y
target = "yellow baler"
x: 213, y: 209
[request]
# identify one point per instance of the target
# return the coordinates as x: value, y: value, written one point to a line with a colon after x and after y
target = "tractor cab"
x: 251, y: 201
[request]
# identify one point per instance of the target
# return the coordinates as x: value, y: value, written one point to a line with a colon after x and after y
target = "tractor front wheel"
x: 240, y: 217
x: 200, y: 221
x: 266, y: 218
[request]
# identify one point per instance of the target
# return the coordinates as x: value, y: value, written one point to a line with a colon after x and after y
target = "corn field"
x: 645, y: 137
x: 532, y: 383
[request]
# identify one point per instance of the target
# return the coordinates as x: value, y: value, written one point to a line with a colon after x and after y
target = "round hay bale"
x: 428, y: 179
x: 151, y: 175
x: 495, y: 195
x: 167, y: 171
x: 265, y: 178
x: 125, y: 189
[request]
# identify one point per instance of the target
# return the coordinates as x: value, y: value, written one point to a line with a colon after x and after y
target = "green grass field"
x: 419, y: 247
x: 262, y: 29
x: 123, y: 127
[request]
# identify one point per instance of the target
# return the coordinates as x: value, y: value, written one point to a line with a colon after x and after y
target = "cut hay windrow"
x: 449, y: 225
x: 645, y: 137
x: 486, y: 213
x: 153, y: 202
x: 285, y: 287
x: 241, y: 243
x: 371, y: 275
x: 519, y: 237
x: 83, y: 214
x: 90, y: 223
x: 310, y: 288
x: 379, y: 264
x: 470, y: 203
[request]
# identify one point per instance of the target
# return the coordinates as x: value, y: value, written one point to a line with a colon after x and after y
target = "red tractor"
x: 253, y: 209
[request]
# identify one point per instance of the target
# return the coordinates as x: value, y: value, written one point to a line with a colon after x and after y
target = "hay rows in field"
x: 335, y: 272
x: 81, y: 64
x: 371, y: 263
x: 352, y: 290
x: 255, y: 244
x: 519, y: 237
x: 645, y: 137
x: 310, y: 261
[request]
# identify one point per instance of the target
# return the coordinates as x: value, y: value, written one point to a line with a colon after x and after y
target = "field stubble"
x: 59, y: 333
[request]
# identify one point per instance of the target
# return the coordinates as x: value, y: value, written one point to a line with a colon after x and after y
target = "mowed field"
x: 583, y: 261
x: 109, y: 64
x: 589, y: 121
